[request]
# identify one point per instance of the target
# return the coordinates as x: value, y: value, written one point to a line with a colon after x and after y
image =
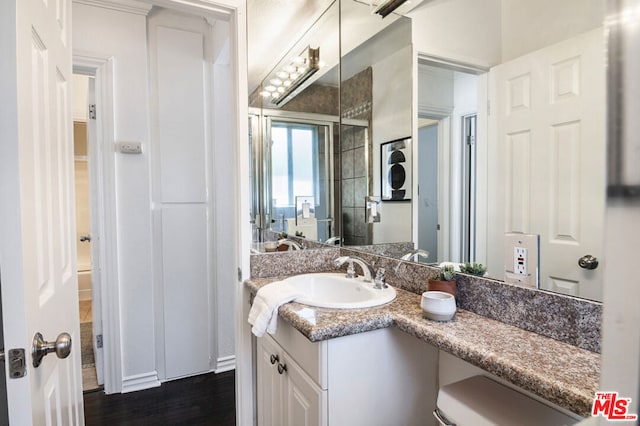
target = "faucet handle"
x: 351, y: 270
x: 378, y: 281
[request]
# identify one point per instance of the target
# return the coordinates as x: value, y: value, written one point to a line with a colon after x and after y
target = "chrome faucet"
x: 290, y: 243
x: 367, y: 269
x: 415, y: 254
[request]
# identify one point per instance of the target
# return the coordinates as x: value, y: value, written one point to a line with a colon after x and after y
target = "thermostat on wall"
x: 129, y: 147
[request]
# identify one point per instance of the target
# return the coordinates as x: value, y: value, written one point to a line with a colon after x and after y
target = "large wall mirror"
x: 294, y: 119
x: 463, y: 128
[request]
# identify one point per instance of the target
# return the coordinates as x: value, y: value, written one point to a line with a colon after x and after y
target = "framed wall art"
x: 395, y: 170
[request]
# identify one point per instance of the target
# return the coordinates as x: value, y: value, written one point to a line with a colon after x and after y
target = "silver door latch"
x: 17, y: 362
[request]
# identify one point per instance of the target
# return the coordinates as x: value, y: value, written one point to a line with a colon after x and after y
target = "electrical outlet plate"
x: 522, y: 259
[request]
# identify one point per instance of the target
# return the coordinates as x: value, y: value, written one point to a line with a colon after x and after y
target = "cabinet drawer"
x: 311, y: 356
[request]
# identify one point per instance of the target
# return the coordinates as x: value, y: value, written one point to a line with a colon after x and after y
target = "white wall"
x: 461, y: 30
x: 531, y: 25
x: 226, y: 221
x: 391, y: 120
x: 489, y: 32
x: 108, y: 33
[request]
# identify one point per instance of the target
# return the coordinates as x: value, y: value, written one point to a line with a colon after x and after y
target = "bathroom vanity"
x: 363, y: 362
x: 378, y: 377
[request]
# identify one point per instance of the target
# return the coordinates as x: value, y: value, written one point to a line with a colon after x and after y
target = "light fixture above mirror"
x: 283, y: 82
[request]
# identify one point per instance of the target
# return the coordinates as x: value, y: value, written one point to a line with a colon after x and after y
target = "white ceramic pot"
x: 438, y: 305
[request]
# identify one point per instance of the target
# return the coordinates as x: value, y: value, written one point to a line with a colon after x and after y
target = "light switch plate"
x: 373, y: 205
x: 133, y: 147
x: 522, y: 259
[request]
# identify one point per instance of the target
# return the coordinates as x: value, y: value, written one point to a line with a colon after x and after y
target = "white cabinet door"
x: 37, y: 248
x: 305, y: 403
x: 548, y: 115
x: 270, y: 383
x: 286, y: 395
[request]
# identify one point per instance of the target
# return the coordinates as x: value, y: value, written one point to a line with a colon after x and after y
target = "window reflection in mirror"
x: 300, y: 156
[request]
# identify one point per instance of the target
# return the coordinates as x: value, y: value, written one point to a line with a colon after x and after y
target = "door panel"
x: 549, y: 131
x: 40, y: 291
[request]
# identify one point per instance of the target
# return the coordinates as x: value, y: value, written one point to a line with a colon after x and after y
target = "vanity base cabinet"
x: 382, y: 377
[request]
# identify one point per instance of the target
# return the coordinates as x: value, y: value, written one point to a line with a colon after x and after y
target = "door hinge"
x: 17, y: 362
x: 92, y: 111
x: 99, y: 341
x: 239, y: 274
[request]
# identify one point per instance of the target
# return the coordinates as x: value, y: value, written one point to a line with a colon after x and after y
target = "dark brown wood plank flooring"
x: 208, y: 399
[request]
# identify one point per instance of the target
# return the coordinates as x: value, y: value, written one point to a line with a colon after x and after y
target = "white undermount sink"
x: 334, y: 290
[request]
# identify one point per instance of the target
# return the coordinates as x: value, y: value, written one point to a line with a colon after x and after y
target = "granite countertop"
x: 558, y: 372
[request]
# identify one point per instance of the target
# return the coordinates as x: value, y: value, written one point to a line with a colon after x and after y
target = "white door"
x: 548, y: 115
x: 37, y: 248
x: 428, y: 191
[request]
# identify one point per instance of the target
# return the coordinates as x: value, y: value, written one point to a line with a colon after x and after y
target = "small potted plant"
x: 444, y: 280
x: 474, y: 269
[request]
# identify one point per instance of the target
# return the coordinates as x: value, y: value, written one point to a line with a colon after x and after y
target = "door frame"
x: 104, y: 231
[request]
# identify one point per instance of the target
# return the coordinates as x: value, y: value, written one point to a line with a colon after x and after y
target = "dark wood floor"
x: 208, y: 399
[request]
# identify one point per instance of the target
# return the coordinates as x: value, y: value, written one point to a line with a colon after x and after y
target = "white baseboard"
x: 225, y: 363
x: 140, y: 382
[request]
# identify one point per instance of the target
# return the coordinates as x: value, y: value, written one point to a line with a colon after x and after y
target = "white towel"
x: 263, y: 315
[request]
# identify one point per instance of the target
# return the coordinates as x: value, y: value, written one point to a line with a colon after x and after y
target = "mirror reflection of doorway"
x: 428, y: 190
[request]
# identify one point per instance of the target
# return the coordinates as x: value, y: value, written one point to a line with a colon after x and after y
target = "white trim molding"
x: 140, y: 382
x: 127, y: 6
x: 225, y: 363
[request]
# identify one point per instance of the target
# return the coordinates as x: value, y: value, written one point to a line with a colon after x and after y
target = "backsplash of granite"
x: 293, y: 262
x: 564, y: 318
x: 561, y: 317
x: 389, y: 250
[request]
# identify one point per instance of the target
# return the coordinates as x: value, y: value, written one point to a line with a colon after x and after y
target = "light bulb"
x: 290, y: 68
x: 281, y: 89
x: 283, y: 75
x: 286, y: 83
x: 270, y: 88
x: 276, y: 82
x: 265, y: 94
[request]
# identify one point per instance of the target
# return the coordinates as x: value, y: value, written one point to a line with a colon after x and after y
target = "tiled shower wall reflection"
x: 355, y: 166
x: 355, y: 184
